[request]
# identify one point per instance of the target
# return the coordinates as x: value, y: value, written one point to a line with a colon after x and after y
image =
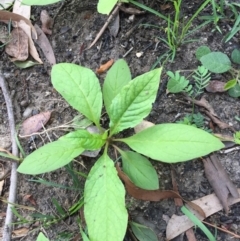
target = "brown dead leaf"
x: 204, y: 103
x: 215, y: 86
x: 151, y: 195
x: 142, y: 126
x: 47, y: 22
x: 219, y: 180
x: 132, y: 11
x: 44, y: 44
x: 18, y: 46
x: 210, y: 205
x: 32, y: 48
x: 9, y: 16
x: 219, y: 123
x: 105, y: 67
x: 21, y: 232
x: 34, y: 123
x: 165, y: 6
x: 142, y: 194
x: 30, y: 198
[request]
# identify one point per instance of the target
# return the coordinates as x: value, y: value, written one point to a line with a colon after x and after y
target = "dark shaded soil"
x: 32, y: 92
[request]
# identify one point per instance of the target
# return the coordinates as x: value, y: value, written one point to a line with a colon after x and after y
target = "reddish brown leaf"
x: 34, y: 123
x: 30, y: 198
x: 219, y: 180
x: 105, y: 67
x: 215, y: 86
x: 47, y: 22
x: 152, y: 195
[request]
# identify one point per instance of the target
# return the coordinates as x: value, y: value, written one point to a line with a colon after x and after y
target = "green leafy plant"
x: 178, y: 83
x: 196, y: 120
x: 218, y: 62
x: 127, y: 102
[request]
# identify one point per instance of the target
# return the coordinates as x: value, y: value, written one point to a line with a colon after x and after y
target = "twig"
x: 112, y: 15
x: 7, y: 230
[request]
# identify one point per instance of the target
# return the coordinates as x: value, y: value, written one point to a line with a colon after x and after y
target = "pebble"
x: 27, y: 112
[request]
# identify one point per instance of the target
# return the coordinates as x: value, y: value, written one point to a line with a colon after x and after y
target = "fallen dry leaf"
x: 9, y: 16
x: 18, y: 46
x: 44, y: 44
x: 21, y: 232
x: 219, y: 123
x: 105, y: 67
x: 34, y: 123
x: 151, y: 195
x: 219, y: 180
x: 30, y: 198
x: 210, y: 205
x: 142, y: 194
x: 22, y: 9
x: 47, y: 22
x: 165, y: 6
x: 204, y: 103
x: 215, y: 86
x: 132, y: 11
x: 142, y: 126
x: 32, y: 48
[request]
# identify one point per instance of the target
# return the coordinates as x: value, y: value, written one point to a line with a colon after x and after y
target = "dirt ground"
x: 32, y: 93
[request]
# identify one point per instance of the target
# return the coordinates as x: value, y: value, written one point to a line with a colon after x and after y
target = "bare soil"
x: 32, y: 92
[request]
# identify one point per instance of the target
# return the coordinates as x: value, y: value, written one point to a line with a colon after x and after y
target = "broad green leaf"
x: 235, y: 91
x: 41, y: 237
x: 230, y: 84
x: 201, y: 51
x: 235, y: 56
x: 173, y: 142
x: 85, y: 139
x: 106, y: 6
x: 142, y: 232
x: 216, y: 62
x: 134, y: 102
x: 118, y: 76
x: 80, y: 88
x: 104, y: 197
x: 39, y: 3
x: 140, y: 170
x: 50, y: 157
x: 59, y: 153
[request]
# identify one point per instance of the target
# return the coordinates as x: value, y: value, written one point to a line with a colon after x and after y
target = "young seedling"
x: 218, y: 62
x: 126, y: 102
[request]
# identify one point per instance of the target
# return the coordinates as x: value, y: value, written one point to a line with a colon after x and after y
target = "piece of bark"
x: 219, y: 180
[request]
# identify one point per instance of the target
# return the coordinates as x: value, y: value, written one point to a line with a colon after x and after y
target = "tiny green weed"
x: 127, y: 101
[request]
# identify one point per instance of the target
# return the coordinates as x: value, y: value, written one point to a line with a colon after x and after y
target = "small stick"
x: 112, y: 15
x: 7, y: 230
